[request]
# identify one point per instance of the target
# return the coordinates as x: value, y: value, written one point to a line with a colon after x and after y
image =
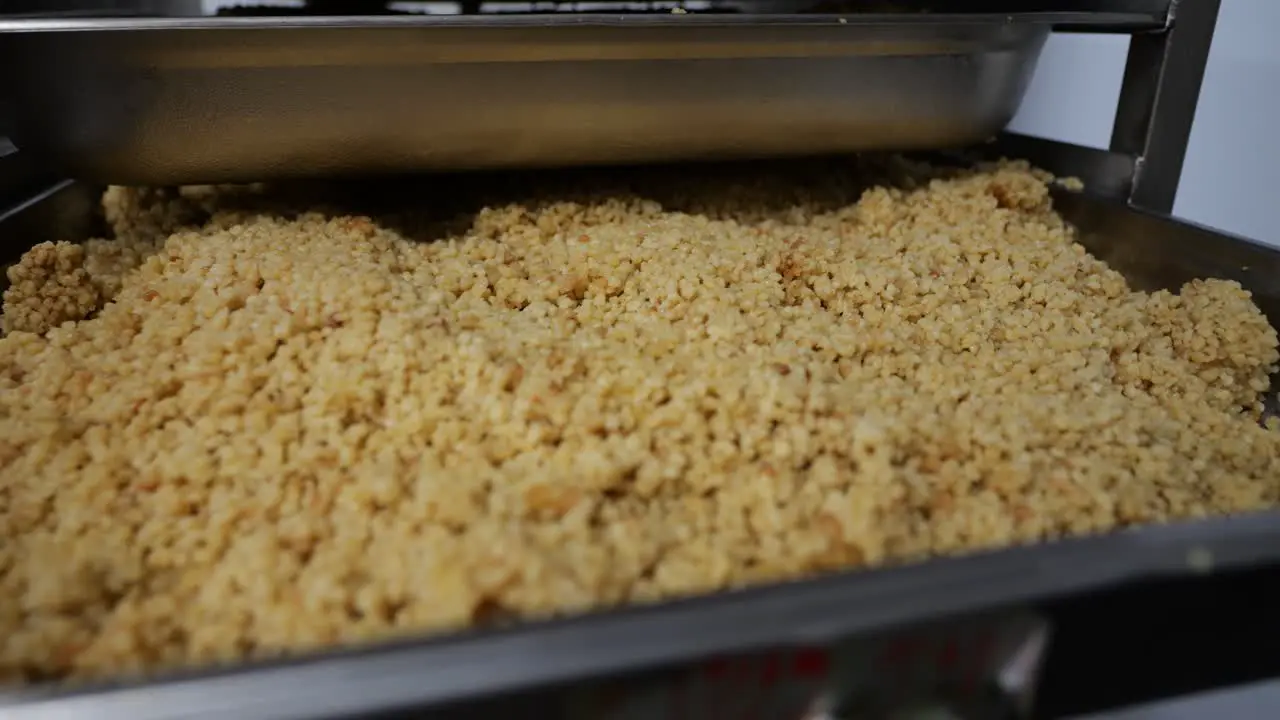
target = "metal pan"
x: 449, y: 674
x: 167, y: 101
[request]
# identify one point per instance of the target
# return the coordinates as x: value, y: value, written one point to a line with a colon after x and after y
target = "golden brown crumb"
x: 290, y: 431
x: 1073, y: 184
x: 141, y: 220
x: 58, y: 282
x: 47, y: 287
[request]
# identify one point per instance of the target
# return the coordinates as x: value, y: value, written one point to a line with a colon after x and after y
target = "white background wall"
x: 1231, y: 179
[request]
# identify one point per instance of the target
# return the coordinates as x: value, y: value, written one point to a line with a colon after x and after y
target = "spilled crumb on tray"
x: 291, y: 430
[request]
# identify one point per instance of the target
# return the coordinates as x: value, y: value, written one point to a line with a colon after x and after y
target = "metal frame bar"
x: 1158, y: 99
x: 1154, y: 114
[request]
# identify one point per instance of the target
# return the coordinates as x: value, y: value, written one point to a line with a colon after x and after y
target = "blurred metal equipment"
x: 157, y: 8
x: 165, y: 101
x: 168, y: 100
x: 1153, y: 121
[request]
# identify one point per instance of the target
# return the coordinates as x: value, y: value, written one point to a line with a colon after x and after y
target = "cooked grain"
x: 285, y: 432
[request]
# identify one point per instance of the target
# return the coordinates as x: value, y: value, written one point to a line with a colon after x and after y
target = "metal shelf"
x: 1169, y: 49
x: 1154, y: 115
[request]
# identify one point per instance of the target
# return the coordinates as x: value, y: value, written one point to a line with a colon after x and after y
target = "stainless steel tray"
x: 167, y: 101
x: 448, y: 673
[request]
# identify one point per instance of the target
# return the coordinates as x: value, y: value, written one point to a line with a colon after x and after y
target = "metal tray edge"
x: 1131, y: 21
x: 468, y: 665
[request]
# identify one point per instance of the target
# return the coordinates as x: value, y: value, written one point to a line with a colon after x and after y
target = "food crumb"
x: 1073, y: 184
x: 47, y: 287
x: 230, y: 433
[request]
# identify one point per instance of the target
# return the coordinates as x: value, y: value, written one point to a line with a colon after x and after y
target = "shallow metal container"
x: 180, y: 100
x: 529, y: 665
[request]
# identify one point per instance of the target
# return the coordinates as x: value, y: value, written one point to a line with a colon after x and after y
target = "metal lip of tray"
x: 1151, y: 250
x: 185, y: 100
x: 467, y: 666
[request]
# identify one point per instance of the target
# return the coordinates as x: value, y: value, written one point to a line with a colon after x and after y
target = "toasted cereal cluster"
x: 294, y: 429
x: 58, y: 282
x: 47, y: 287
x: 141, y: 219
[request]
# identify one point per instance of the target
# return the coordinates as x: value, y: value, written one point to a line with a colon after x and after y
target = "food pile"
x: 252, y: 424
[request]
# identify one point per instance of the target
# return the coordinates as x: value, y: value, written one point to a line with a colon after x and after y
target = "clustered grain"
x: 234, y: 433
x: 47, y: 287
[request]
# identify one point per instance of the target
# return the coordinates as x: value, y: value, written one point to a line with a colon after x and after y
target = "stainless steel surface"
x: 1255, y: 701
x: 20, y: 176
x: 1154, y: 115
x: 169, y: 8
x: 1158, y: 100
x: 1152, y: 251
x: 489, y: 666
x: 1103, y: 14
x: 219, y: 99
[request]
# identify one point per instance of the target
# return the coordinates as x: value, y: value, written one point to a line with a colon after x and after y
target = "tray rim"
x: 1064, y: 20
x: 463, y: 666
